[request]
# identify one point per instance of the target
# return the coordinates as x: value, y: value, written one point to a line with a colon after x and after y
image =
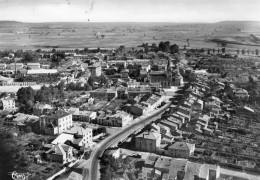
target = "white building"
x: 56, y: 123
x: 7, y: 103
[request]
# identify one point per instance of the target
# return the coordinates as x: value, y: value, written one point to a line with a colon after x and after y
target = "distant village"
x: 59, y: 105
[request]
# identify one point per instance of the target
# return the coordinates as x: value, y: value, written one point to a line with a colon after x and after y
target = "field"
x: 17, y: 35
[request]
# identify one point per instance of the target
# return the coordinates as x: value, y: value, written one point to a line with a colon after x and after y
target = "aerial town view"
x: 129, y: 90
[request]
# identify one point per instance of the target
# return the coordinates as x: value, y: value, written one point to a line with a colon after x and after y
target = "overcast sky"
x: 129, y: 10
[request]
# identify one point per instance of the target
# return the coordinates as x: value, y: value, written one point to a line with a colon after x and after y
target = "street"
x: 117, y: 138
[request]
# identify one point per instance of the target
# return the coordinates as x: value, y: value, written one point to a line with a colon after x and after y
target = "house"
x: 241, y: 94
x: 146, y: 173
x: 60, y: 153
x: 83, y: 135
x: 26, y: 122
x: 95, y: 69
x: 173, y: 126
x: 175, y: 120
x: 2, y: 66
x: 163, y: 164
x: 7, y: 103
x: 209, y: 172
x: 197, y: 105
x: 181, y: 114
x: 120, y: 119
x: 192, y: 170
x: 150, y: 161
x: 84, y: 116
x: 177, y: 168
x: 40, y: 109
x: 148, y: 141
x: 55, y: 123
x: 181, y: 149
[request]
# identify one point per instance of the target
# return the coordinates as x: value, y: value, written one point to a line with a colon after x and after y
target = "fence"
x: 18, y: 84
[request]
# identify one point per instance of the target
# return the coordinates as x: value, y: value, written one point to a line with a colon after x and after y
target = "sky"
x: 129, y: 10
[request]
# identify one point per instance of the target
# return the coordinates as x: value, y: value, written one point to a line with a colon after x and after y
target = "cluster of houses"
x: 161, y: 167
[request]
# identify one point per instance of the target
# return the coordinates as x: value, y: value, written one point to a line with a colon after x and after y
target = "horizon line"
x: 184, y: 22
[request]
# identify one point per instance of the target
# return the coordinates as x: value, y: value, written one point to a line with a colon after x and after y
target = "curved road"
x: 117, y: 138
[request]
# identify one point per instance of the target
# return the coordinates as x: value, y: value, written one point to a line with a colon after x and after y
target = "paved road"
x: 117, y: 138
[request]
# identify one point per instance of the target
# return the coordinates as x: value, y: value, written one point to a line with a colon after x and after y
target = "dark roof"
x: 58, y: 114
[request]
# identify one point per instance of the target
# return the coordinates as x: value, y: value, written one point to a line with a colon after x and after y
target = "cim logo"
x: 19, y: 176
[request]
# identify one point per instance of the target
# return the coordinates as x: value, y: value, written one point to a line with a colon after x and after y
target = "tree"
x: 174, y: 48
x: 44, y: 95
x: 28, y: 56
x: 223, y: 50
x: 238, y: 51
x: 208, y: 51
x: 19, y: 53
x: 85, y: 50
x: 53, y: 50
x: 163, y: 47
x: 38, y: 51
x: 213, y: 50
x: 120, y: 68
x: 243, y: 51
x: 256, y: 52
x: 25, y: 97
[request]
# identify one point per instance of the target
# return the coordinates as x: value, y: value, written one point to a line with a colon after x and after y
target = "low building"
x: 60, y: 153
x: 83, y: 136
x: 2, y: 66
x: 197, y: 105
x: 181, y: 150
x: 120, y: 119
x: 37, y: 72
x: 104, y: 94
x: 40, y: 109
x: 241, y: 94
x: 15, y: 66
x: 33, y: 65
x: 84, y: 116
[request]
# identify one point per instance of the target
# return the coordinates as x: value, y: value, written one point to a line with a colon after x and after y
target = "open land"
x: 17, y: 35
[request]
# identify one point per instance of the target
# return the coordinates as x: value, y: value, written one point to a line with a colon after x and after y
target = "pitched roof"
x: 79, y: 130
x: 149, y: 135
x: 177, y: 165
x: 58, y: 114
x: 181, y: 146
x: 192, y: 170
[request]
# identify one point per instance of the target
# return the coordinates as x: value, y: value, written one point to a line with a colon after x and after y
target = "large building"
x: 95, y: 69
x: 104, y: 94
x: 148, y: 141
x: 56, y: 123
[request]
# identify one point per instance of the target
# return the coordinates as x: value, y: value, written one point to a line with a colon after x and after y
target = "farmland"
x: 17, y: 35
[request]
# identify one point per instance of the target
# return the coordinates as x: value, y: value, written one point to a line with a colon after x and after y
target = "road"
x: 118, y: 137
